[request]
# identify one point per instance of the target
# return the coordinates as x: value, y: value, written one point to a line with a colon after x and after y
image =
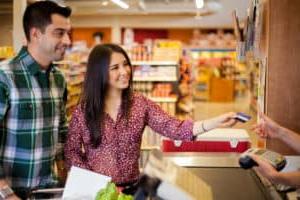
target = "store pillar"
x: 116, y: 31
x: 18, y: 33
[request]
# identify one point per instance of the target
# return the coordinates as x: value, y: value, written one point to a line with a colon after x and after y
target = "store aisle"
x: 205, y: 110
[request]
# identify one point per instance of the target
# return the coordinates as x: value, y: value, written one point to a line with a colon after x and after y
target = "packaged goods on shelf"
x: 140, y: 53
x: 216, y: 39
x: 202, y: 85
x: 221, y: 65
x: 167, y: 50
x: 162, y: 90
x: 74, y: 67
x: 6, y: 52
x: 161, y: 50
x: 185, y: 99
x: 155, y: 73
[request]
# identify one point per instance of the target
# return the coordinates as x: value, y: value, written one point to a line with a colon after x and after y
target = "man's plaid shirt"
x: 32, y: 120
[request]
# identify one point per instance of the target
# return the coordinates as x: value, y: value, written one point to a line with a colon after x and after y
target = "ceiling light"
x: 121, y: 3
x: 104, y: 3
x: 213, y: 5
x: 199, y: 4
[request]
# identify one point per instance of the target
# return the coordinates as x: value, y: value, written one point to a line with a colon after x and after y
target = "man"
x: 32, y: 102
x: 269, y: 128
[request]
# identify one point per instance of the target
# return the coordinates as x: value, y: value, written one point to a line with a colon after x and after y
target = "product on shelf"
x: 153, y: 90
x: 185, y: 100
x: 6, y: 52
x: 150, y: 72
x: 167, y: 50
x: 140, y: 53
x: 74, y: 67
x: 212, y: 39
x: 219, y: 77
x: 202, y: 84
x: 157, y: 50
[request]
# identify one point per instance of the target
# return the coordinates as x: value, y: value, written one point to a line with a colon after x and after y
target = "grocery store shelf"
x: 71, y: 104
x: 212, y: 50
x: 154, y: 63
x: 160, y: 79
x: 75, y: 82
x: 75, y: 93
x: 164, y: 99
x: 69, y: 62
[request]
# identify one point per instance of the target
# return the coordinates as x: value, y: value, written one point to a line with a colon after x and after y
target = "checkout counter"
x: 223, y: 174
x: 213, y: 172
x: 227, y: 180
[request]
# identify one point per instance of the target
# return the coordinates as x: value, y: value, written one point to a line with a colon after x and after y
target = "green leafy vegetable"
x: 111, y: 193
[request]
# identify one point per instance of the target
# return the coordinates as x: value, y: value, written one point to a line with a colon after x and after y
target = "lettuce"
x: 124, y: 197
x: 111, y: 193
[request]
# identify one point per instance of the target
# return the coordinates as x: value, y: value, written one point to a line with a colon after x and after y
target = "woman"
x: 106, y: 129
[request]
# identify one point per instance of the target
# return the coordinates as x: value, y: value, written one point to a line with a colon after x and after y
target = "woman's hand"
x: 227, y: 120
x: 267, y: 128
x: 221, y: 121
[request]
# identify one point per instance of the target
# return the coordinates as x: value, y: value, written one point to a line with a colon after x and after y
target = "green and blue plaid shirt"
x: 32, y: 120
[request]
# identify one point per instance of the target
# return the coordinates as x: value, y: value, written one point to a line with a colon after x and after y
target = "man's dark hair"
x: 39, y: 14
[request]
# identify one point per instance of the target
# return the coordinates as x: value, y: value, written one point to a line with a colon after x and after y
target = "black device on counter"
x: 277, y: 160
x: 242, y: 117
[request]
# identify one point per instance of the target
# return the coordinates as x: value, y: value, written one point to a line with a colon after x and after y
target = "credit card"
x: 242, y: 117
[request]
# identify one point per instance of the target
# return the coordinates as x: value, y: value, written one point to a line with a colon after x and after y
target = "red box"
x: 216, y: 140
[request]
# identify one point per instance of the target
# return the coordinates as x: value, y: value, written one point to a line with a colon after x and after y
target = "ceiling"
x: 141, y: 7
x: 218, y: 10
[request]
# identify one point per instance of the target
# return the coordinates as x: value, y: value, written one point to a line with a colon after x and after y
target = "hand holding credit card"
x: 242, y: 117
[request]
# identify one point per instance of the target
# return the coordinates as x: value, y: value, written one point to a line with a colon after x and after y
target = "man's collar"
x: 29, y: 62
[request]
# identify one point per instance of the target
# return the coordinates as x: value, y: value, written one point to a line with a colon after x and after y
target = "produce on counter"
x: 111, y: 193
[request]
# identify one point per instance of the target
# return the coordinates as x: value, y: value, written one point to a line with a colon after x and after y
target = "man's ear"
x: 35, y: 34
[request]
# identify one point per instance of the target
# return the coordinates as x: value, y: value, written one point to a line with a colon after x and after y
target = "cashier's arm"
x: 290, y: 138
x: 267, y: 128
x: 286, y: 178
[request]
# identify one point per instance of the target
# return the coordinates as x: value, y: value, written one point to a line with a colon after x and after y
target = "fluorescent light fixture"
x: 104, y: 3
x: 199, y: 4
x: 120, y: 3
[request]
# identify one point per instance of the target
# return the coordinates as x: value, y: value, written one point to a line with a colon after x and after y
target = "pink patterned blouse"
x: 118, y: 154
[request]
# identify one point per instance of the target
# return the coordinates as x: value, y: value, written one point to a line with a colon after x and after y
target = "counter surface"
x: 222, y: 172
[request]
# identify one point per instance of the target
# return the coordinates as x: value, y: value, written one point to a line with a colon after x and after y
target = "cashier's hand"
x: 264, y: 168
x: 267, y: 128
